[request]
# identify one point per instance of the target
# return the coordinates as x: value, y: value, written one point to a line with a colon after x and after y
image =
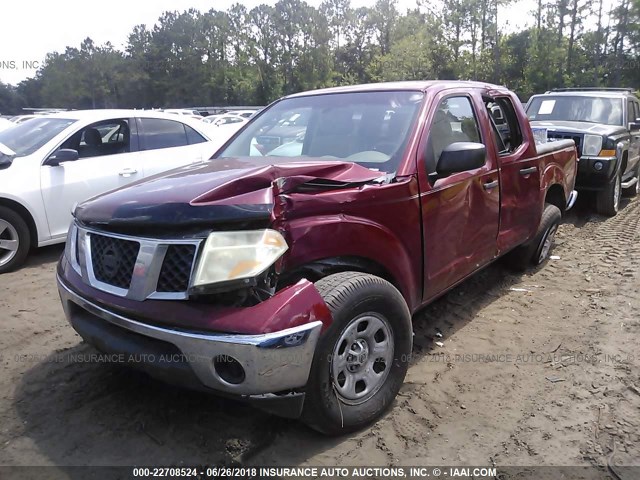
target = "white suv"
x: 49, y: 163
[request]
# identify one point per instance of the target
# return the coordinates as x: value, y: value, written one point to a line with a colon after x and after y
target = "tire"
x: 608, y: 200
x: 15, y: 240
x: 634, y: 190
x: 367, y: 311
x: 537, y: 250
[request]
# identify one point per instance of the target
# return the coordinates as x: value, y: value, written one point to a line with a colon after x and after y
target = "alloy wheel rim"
x: 548, y: 242
x: 362, y: 358
x: 9, y: 242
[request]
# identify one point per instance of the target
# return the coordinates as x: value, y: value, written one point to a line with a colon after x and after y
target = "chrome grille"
x: 134, y: 267
x: 566, y: 136
x: 176, y: 268
x: 113, y: 259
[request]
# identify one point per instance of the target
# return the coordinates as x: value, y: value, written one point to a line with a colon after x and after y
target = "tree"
x: 241, y: 56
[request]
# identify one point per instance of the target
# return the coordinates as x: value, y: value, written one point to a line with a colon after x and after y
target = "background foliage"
x: 251, y: 57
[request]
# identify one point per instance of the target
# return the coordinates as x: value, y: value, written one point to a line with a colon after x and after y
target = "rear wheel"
x: 537, y: 250
x: 15, y: 240
x: 362, y: 358
x: 608, y: 200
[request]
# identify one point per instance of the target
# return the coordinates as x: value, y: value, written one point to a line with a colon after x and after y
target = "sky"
x: 30, y: 29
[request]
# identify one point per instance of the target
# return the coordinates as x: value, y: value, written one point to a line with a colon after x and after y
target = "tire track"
x: 609, y: 240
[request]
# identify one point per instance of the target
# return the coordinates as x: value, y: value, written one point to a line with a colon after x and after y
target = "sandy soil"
x: 559, y: 383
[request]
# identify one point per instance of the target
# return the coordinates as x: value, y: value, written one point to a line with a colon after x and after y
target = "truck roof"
x: 419, y: 85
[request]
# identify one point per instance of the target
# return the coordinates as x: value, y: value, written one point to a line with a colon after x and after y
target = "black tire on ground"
x: 367, y: 313
x: 608, y: 200
x: 13, y: 229
x: 537, y: 250
x: 634, y: 190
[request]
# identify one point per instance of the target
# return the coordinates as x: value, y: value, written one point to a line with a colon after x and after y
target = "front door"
x: 107, y: 160
x: 460, y: 211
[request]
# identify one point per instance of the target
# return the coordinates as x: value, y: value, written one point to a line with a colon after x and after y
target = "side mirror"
x: 62, y: 155
x: 5, y: 161
x: 460, y: 157
x: 633, y: 126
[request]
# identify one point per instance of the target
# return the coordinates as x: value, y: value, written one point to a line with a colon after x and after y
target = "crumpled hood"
x: 578, y: 127
x: 223, y: 190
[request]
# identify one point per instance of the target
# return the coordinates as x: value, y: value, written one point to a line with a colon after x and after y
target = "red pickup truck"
x: 285, y: 270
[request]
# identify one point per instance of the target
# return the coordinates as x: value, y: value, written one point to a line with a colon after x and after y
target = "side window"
x: 159, y: 133
x: 506, y: 127
x: 193, y: 137
x: 633, y: 109
x: 109, y: 137
x: 454, y: 121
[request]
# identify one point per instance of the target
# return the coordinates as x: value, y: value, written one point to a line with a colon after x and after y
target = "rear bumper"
x: 271, y: 363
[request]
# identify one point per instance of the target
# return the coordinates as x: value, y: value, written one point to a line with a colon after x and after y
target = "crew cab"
x: 605, y: 125
x: 51, y: 162
x: 290, y: 281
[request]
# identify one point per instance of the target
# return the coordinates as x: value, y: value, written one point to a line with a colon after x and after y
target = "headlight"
x: 238, y: 255
x: 71, y: 247
x: 592, y: 144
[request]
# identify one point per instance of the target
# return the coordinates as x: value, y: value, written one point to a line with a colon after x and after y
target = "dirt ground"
x: 536, y: 369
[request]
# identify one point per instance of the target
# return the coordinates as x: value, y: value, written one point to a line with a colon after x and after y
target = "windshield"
x: 27, y: 137
x: 368, y: 128
x: 607, y: 111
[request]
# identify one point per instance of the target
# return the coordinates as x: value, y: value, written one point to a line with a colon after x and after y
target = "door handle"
x: 127, y: 172
x: 527, y: 171
x: 490, y: 185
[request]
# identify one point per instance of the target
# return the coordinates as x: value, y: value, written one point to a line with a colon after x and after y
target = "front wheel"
x: 362, y: 359
x: 15, y: 240
x: 608, y: 200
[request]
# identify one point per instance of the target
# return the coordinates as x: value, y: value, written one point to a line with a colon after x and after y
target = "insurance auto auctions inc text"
x: 378, y: 472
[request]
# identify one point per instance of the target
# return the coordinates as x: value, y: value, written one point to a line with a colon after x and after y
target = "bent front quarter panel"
x: 378, y: 223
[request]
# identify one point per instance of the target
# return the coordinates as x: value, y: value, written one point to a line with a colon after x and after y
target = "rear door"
x: 166, y: 144
x: 519, y: 176
x: 108, y: 159
x: 460, y: 212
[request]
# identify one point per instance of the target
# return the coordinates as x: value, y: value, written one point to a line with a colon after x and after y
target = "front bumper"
x: 272, y: 362
x: 591, y: 179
